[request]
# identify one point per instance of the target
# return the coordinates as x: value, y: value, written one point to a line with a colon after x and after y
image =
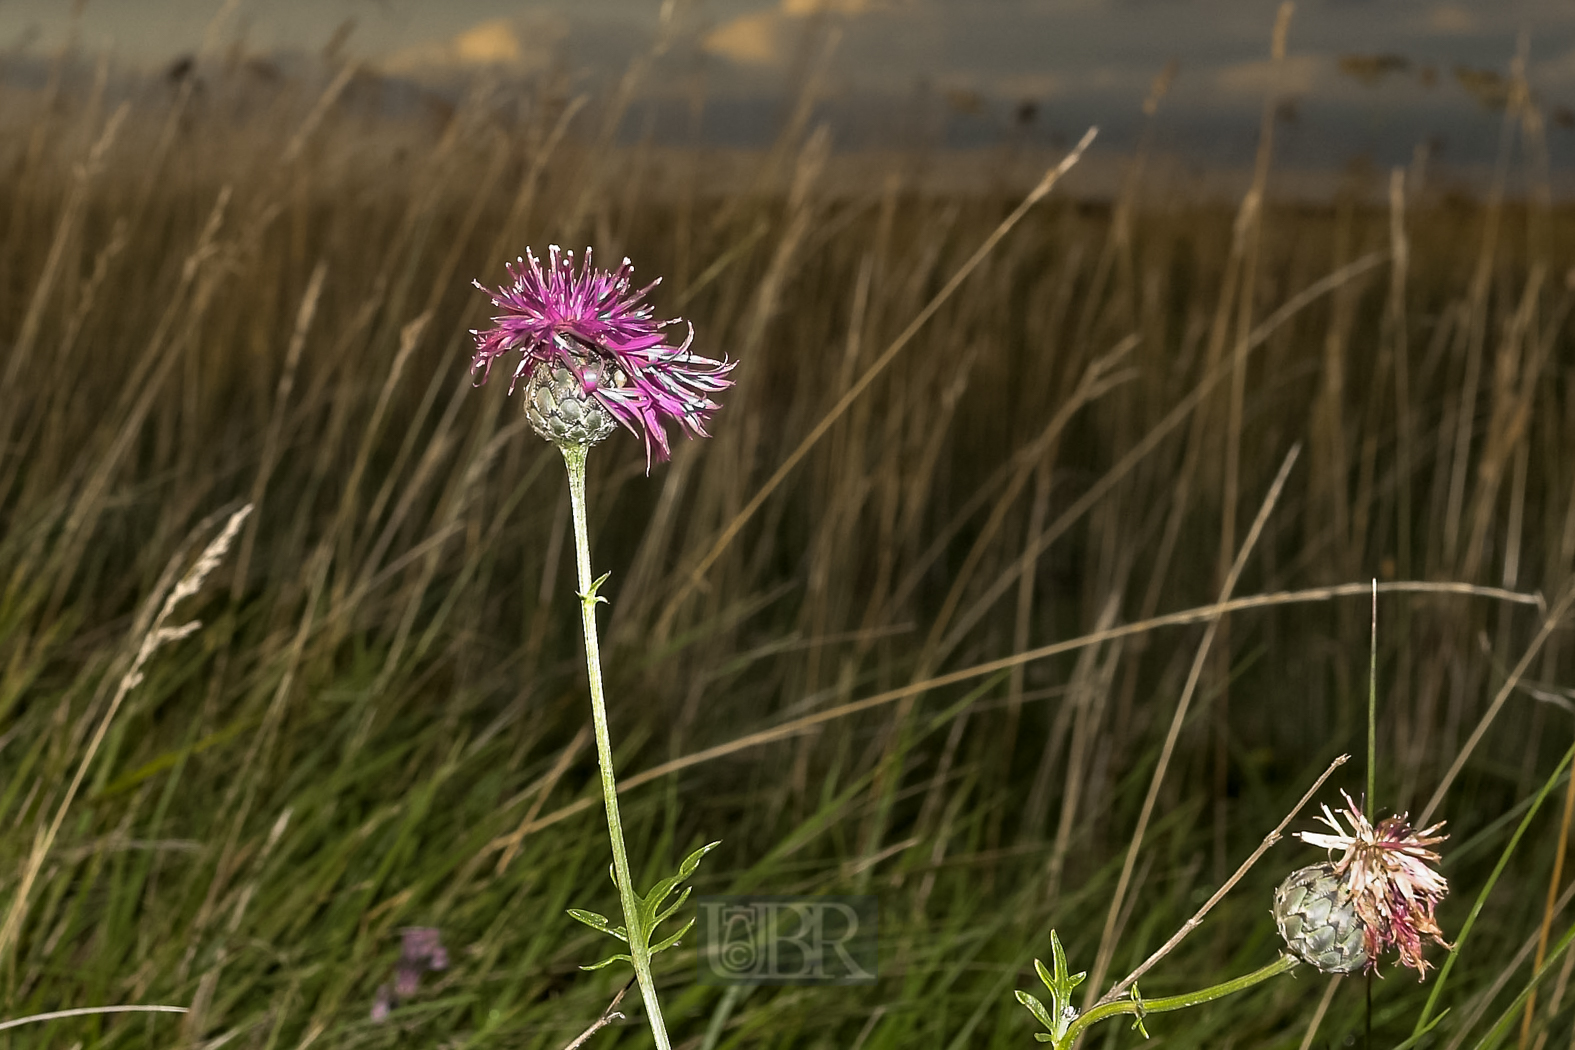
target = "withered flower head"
x: 1388, y: 874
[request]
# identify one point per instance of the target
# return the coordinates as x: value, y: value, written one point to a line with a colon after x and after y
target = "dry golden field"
x: 934, y: 615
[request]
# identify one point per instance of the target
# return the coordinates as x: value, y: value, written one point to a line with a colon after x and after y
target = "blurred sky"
x: 1371, y: 77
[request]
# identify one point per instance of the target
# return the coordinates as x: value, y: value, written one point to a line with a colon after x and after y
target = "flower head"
x: 420, y: 949
x: 590, y: 344
x: 1387, y: 872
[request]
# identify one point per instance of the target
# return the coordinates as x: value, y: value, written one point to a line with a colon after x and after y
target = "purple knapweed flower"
x: 593, y: 356
x: 420, y: 949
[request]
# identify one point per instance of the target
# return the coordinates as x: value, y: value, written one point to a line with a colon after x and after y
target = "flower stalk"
x: 1141, y: 1008
x: 593, y: 357
x: 1065, y: 1025
x: 638, y: 937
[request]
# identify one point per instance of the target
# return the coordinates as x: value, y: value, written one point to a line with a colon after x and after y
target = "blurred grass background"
x: 227, y: 289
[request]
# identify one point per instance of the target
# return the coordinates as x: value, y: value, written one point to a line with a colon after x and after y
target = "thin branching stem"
x: 1143, y: 1007
x: 1191, y: 924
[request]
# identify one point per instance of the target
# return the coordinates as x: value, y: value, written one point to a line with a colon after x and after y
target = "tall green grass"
x: 233, y: 291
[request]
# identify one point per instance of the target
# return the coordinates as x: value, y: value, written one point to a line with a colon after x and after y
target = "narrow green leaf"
x: 1036, y: 1008
x: 591, y: 919
x: 691, y: 862
x: 679, y: 903
x: 608, y: 962
x: 672, y: 941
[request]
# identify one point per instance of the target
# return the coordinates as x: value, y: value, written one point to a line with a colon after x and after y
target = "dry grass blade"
x: 697, y: 574
x: 1107, y: 944
x: 919, y: 495
x: 608, y: 1016
x: 159, y: 633
x: 1550, y: 623
x: 1191, y: 924
x: 89, y: 1011
x: 1202, y: 614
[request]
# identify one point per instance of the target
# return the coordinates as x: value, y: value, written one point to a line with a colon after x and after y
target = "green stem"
x: 1370, y: 803
x: 1284, y: 964
x: 639, y: 947
x: 1482, y: 895
x: 1370, y: 800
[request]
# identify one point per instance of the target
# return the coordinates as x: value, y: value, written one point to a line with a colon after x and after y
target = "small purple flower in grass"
x: 1387, y: 872
x: 420, y: 949
x: 383, y: 1004
x: 593, y: 356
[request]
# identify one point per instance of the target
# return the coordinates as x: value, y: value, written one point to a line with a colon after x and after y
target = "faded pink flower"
x: 1393, y: 888
x: 420, y: 949
x: 591, y: 323
x: 383, y: 1004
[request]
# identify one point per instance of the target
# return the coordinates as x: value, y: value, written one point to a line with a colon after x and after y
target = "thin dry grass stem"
x: 801, y: 209
x: 1329, y: 462
x: 818, y: 46
x: 1117, y: 249
x: 608, y: 1016
x: 65, y: 230
x: 274, y: 436
x: 1202, y: 614
x: 1320, y: 1012
x: 435, y: 449
x: 1197, y: 918
x: 593, y: 173
x: 1107, y: 945
x: 241, y: 791
x: 409, y: 338
x: 1556, y: 1000
x: 1230, y: 486
x: 202, y: 1000
x: 325, y: 102
x: 443, y: 276
x: 1478, y: 1005
x: 1550, y: 623
x: 159, y: 357
x: 1038, y: 511
x: 1517, y: 368
x: 1151, y: 441
x: 1474, y: 337
x: 436, y: 454
x: 1087, y: 693
x: 54, y: 422
x: 844, y: 494
x: 510, y: 844
x: 456, y: 501
x: 510, y: 231
x: 1546, y: 930
x: 697, y: 574
x: 1098, y: 379
x: 158, y: 634
x: 88, y: 1011
x: 1395, y: 319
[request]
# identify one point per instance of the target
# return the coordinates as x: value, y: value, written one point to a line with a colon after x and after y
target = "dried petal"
x: 1388, y: 872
